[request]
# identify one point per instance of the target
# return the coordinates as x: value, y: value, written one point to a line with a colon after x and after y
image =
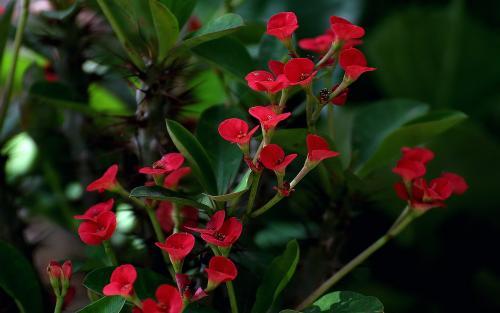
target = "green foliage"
x: 181, y: 9
x: 162, y: 194
x: 19, y: 280
x: 105, y: 305
x: 276, y: 277
x: 5, y: 27
x: 346, y: 302
x: 166, y: 26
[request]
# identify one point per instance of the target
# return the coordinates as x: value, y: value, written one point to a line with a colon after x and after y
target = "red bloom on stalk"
x: 345, y: 30
x: 178, y: 246
x: 56, y: 271
x: 282, y: 25
x: 417, y: 154
x: 317, y: 149
x: 106, y: 182
x: 188, y: 216
x: 409, y: 170
x: 267, y: 117
x: 300, y: 71
x: 220, y: 232
x: 171, y: 181
x: 341, y: 98
x: 354, y: 63
x: 169, y: 301
x: 220, y: 270
x: 98, y: 230
x: 96, y: 210
x: 266, y: 81
x: 319, y: 44
x: 235, y: 130
x: 273, y: 157
x: 168, y: 163
x: 121, y: 282
x: 458, y: 183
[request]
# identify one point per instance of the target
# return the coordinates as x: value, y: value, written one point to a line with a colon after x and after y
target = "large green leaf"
x: 228, y: 54
x: 346, y: 302
x: 19, y: 280
x: 276, y: 278
x: 166, y: 26
x: 162, y: 194
x: 219, y: 27
x: 5, y: 27
x: 193, y: 151
x: 181, y: 9
x: 105, y: 305
x: 417, y: 132
x: 145, y: 285
x: 225, y: 157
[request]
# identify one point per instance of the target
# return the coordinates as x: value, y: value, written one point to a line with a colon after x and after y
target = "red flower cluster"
x: 420, y: 194
x: 170, y: 164
x: 59, y: 277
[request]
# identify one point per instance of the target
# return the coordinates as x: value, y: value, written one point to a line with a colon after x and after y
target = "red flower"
x: 168, y: 163
x: 96, y: 210
x: 178, y: 246
x: 267, y: 117
x: 171, y: 181
x: 354, y: 63
x: 96, y: 231
x: 345, y: 30
x: 188, y: 216
x: 300, y: 71
x: 193, y: 24
x: 220, y: 269
x: 121, y: 282
x: 417, y: 154
x: 319, y: 44
x: 409, y: 170
x: 185, y: 288
x: 458, y: 183
x: 273, y: 157
x: 56, y: 271
x: 106, y: 182
x: 169, y: 301
x: 269, y: 82
x: 317, y: 149
x: 219, y: 232
x: 235, y: 130
x: 282, y: 25
x: 341, y: 98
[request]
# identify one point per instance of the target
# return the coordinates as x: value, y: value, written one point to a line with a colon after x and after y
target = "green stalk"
x: 110, y: 253
x: 263, y: 209
x: 59, y: 304
x: 232, y: 297
x: 330, y: 117
x: 408, y: 217
x: 253, y: 192
x: 7, y: 93
x: 176, y: 217
x: 310, y: 110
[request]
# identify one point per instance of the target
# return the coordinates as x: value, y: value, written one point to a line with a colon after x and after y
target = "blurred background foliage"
x: 432, y: 57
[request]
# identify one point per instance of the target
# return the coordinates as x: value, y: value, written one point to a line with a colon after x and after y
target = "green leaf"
x: 181, y: 9
x: 162, y: 194
x: 193, y: 151
x: 120, y: 21
x: 145, y: 285
x: 276, y: 278
x: 228, y: 54
x: 5, y: 27
x: 219, y: 27
x: 62, y: 14
x: 289, y: 311
x: 166, y: 26
x: 417, y: 132
x: 346, y: 302
x: 225, y: 157
x: 19, y: 280
x: 105, y: 305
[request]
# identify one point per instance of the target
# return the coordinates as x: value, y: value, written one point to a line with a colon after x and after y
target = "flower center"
x: 304, y: 76
x: 241, y: 134
x: 219, y: 236
x: 126, y: 287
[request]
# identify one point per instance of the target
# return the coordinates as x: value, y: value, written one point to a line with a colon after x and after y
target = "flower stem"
x: 110, y: 253
x: 253, y: 192
x: 310, y: 109
x: 408, y: 217
x: 277, y: 197
x: 21, y: 25
x: 232, y: 297
x: 176, y: 217
x: 327, y: 55
x: 59, y: 304
x: 331, y: 126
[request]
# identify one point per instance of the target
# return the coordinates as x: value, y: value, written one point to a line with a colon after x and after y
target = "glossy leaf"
x: 19, y: 280
x: 166, y: 26
x: 417, y: 132
x: 181, y: 9
x: 219, y: 27
x: 145, y: 285
x: 162, y: 194
x: 346, y: 302
x: 5, y: 26
x: 193, y: 151
x: 276, y: 277
x: 224, y: 156
x: 105, y: 305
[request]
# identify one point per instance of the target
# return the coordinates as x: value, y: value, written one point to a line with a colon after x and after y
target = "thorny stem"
x: 407, y: 218
x: 110, y: 253
x: 253, y: 191
x: 21, y: 25
x: 232, y: 297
